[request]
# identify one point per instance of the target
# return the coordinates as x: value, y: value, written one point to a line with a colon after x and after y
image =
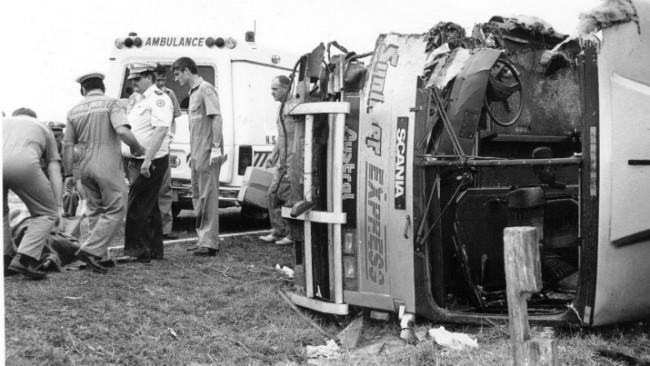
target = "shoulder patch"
x: 160, y: 102
x: 207, y: 91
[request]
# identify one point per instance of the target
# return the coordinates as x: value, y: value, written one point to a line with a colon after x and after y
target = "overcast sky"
x: 47, y: 44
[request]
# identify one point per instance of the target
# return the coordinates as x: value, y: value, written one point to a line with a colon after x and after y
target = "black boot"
x: 92, y: 262
x: 26, y: 265
x: 8, y: 272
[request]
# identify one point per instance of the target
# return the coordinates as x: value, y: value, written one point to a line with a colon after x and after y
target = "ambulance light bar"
x: 134, y: 41
x: 131, y: 41
x: 219, y: 42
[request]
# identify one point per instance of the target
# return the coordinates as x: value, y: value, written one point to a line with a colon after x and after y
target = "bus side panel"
x: 386, y: 169
x: 623, y: 289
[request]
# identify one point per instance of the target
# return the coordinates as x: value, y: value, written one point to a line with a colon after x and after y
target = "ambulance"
x: 241, y: 71
x: 410, y: 175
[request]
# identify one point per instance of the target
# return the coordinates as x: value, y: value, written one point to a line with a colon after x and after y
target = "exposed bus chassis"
x: 448, y: 140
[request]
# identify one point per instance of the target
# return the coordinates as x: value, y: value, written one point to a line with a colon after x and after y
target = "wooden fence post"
x: 523, y: 278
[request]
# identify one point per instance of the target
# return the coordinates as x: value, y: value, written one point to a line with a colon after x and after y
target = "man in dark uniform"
x: 150, y: 118
x: 25, y: 143
x: 206, y: 150
x: 165, y: 195
x: 96, y: 125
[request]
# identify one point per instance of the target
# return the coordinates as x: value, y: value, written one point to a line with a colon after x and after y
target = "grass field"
x: 225, y: 311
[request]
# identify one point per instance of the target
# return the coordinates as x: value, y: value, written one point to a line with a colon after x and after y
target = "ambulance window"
x: 182, y: 92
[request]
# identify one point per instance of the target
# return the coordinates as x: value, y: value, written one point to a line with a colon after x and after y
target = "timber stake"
x: 524, y: 278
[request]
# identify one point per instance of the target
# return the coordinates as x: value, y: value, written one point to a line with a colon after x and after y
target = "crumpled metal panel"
x: 466, y: 101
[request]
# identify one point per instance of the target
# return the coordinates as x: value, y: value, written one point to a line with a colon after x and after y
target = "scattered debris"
x: 379, y: 315
x: 286, y: 271
x: 618, y: 354
x: 349, y: 337
x: 387, y: 345
x: 330, y: 350
x: 452, y: 340
x: 422, y: 334
x: 72, y: 297
x: 173, y: 334
x: 407, y: 333
x: 305, y: 317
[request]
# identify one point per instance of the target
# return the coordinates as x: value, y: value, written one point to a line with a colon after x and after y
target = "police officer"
x: 25, y: 143
x: 206, y: 149
x: 280, y: 188
x: 96, y: 125
x: 165, y: 195
x: 150, y: 118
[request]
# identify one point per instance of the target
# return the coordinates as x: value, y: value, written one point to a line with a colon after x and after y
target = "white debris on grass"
x: 452, y: 340
x: 330, y: 350
x: 286, y: 271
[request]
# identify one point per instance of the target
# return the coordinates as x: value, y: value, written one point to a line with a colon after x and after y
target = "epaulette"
x: 158, y: 92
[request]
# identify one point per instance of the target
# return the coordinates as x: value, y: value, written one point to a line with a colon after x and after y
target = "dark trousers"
x: 143, y: 230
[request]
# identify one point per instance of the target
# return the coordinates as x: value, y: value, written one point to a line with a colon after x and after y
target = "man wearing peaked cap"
x: 150, y: 117
x: 96, y: 125
x: 137, y: 68
x: 90, y: 75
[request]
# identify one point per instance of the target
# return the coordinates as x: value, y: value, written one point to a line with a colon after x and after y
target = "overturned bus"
x: 408, y: 169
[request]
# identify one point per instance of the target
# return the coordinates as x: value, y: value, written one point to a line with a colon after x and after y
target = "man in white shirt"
x: 150, y: 117
x: 165, y: 196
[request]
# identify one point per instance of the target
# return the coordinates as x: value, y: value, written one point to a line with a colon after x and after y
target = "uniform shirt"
x: 153, y: 109
x: 92, y: 124
x: 284, y: 144
x: 177, y: 110
x: 26, y: 137
x: 204, y: 102
x: 170, y: 93
x: 130, y: 101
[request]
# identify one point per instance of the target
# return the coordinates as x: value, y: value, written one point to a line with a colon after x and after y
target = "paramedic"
x: 206, y: 151
x: 96, y: 125
x: 25, y: 142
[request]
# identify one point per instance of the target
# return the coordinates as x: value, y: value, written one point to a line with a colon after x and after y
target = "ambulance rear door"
x: 254, y: 110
